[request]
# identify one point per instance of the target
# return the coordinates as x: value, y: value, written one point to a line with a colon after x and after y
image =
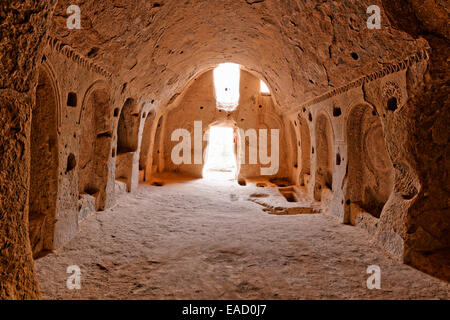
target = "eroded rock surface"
x: 87, y: 114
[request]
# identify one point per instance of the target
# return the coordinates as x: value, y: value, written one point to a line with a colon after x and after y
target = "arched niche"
x: 95, y: 145
x: 127, y: 141
x: 370, y: 171
x: 157, y: 145
x: 294, y: 149
x: 128, y: 128
x: 44, y: 165
x: 145, y: 156
x: 324, y: 156
x: 305, y: 147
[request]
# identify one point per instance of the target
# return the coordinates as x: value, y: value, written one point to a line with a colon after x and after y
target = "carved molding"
x: 390, y: 69
x: 71, y: 54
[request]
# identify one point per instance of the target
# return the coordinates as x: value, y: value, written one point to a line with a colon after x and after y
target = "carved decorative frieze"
x: 70, y: 53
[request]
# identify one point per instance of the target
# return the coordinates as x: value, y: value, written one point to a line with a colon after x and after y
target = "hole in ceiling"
x: 264, y: 88
x: 226, y: 83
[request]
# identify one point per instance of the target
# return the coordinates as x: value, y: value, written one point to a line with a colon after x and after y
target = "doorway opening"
x: 220, y: 154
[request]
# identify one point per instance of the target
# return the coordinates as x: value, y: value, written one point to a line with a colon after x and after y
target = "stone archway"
x: 127, y: 141
x: 293, y: 125
x: 95, y: 146
x: 208, y: 144
x: 44, y: 166
x: 305, y: 147
x: 128, y: 128
x: 370, y: 172
x: 145, y: 156
x: 324, y: 156
x: 156, y: 152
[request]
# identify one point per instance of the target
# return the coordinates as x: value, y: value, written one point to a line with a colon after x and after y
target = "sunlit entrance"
x: 220, y: 157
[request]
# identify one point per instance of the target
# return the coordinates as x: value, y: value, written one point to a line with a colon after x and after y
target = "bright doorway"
x: 220, y: 157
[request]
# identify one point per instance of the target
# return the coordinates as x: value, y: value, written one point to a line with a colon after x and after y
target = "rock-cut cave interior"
x: 236, y: 149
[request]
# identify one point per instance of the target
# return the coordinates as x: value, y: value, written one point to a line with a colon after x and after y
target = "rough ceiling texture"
x: 301, y: 48
x: 148, y: 51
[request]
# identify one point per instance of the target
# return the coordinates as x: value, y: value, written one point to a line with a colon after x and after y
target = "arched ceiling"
x: 300, y: 48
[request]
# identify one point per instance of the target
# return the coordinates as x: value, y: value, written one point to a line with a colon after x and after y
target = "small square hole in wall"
x: 337, y: 112
x: 392, y: 104
x: 72, y: 99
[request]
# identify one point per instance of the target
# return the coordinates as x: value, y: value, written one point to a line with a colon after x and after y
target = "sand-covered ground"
x: 208, y: 240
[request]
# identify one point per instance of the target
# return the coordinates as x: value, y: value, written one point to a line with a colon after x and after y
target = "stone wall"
x: 363, y: 114
x: 83, y: 111
x: 23, y: 30
x: 198, y: 103
x: 374, y: 185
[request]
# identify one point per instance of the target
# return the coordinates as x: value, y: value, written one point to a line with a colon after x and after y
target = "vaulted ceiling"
x: 301, y: 48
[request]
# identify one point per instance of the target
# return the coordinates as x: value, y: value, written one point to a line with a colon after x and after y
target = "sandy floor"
x: 198, y: 240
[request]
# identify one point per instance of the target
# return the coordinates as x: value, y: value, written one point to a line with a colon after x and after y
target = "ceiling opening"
x: 264, y: 88
x: 227, y: 84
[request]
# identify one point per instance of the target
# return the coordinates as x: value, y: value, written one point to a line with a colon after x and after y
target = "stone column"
x: 23, y: 28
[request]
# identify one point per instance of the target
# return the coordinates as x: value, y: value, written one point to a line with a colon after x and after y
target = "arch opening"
x: 95, y: 147
x: 370, y: 171
x: 156, y: 163
x: 145, y: 156
x: 220, y: 154
x: 324, y: 154
x: 128, y: 128
x: 305, y: 150
x: 258, y: 126
x: 294, y: 150
x: 127, y: 141
x: 44, y: 167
